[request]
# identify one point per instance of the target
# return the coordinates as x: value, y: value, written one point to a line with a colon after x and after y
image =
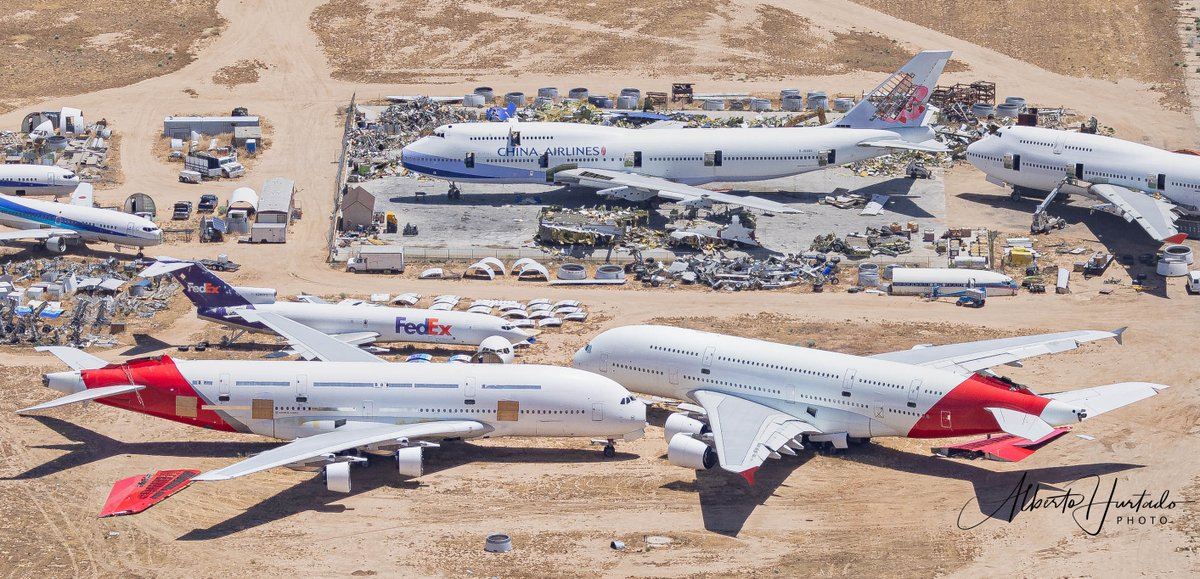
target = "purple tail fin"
x: 205, y: 289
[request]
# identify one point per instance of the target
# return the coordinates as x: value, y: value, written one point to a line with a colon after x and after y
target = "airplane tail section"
x: 902, y: 99
x: 201, y: 286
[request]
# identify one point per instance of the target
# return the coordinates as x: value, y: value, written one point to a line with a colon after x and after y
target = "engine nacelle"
x: 682, y: 423
x: 685, y: 451
x: 408, y: 460
x: 337, y: 477
x: 256, y: 295
x: 56, y: 244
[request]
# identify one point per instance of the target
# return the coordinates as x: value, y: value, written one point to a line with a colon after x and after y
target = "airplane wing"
x: 930, y: 146
x: 82, y: 195
x: 352, y: 435
x: 308, y: 342
x: 748, y: 433
x: 84, y: 396
x: 1100, y: 399
x: 1156, y: 216
x: 37, y: 234
x: 971, y: 357
x: 607, y: 179
x: 75, y: 358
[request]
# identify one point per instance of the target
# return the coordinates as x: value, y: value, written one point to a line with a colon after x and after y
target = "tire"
x: 610, y: 451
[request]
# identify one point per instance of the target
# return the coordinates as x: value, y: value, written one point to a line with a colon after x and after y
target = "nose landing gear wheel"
x: 609, y: 451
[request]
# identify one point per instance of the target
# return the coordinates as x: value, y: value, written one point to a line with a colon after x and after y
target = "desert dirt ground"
x: 885, y: 508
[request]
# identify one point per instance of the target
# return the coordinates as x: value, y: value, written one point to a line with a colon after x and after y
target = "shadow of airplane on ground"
x: 88, y: 446
x: 311, y: 495
x: 726, y: 501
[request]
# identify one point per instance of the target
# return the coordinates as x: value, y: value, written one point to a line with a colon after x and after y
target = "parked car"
x: 208, y: 203
x: 183, y: 210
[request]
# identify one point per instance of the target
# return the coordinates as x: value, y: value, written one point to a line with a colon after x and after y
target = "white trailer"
x: 922, y: 280
x: 374, y: 258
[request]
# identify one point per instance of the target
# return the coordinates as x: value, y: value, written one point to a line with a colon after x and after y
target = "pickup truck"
x: 183, y: 210
x: 208, y: 203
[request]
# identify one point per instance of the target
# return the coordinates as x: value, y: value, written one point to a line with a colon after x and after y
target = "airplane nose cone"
x: 580, y: 359
x: 639, y: 411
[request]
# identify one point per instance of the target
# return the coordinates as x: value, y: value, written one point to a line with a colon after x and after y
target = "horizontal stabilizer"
x: 1006, y: 447
x: 75, y: 358
x: 1021, y: 424
x: 138, y: 493
x: 1100, y: 399
x: 84, y: 396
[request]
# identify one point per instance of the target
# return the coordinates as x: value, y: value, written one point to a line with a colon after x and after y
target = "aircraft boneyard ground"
x: 884, y: 508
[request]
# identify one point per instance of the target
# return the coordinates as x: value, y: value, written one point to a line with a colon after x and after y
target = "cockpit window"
x: 149, y: 229
x: 69, y: 176
x: 439, y: 134
x: 588, y: 348
x: 507, y: 328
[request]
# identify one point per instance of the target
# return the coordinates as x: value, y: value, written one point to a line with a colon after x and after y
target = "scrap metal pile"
x: 597, y: 226
x: 48, y: 302
x: 375, y: 140
x: 890, y: 240
x: 740, y: 273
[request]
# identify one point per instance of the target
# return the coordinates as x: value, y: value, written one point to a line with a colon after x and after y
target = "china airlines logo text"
x: 429, y: 327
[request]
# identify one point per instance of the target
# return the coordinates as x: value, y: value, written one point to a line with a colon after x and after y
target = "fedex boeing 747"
x: 638, y: 165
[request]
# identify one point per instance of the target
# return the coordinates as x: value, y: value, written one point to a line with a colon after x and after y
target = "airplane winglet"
x: 1117, y: 334
x: 748, y: 474
x: 1177, y: 238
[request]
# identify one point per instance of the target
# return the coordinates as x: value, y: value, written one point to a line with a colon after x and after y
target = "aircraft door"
x: 1158, y: 181
x: 469, y: 160
x: 633, y: 160
x: 301, y: 384
x: 674, y: 375
x: 1012, y: 161
x: 603, y: 363
x: 848, y: 380
x: 1059, y: 141
x: 544, y: 160
x: 51, y: 178
x: 1079, y: 170
x: 946, y: 420
x: 223, y: 388
x: 262, y: 414
x: 913, y: 390
x: 129, y: 228
x: 708, y: 356
x: 368, y: 408
x: 469, y: 387
x: 826, y: 157
x: 597, y: 411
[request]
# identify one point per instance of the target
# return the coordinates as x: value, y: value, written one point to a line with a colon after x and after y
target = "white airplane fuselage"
x: 1039, y: 158
x: 392, y: 324
x: 288, y: 400
x: 21, y: 180
x: 835, y: 392
x: 90, y: 224
x: 493, y: 153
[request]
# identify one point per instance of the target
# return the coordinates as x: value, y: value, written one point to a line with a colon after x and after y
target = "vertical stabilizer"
x: 201, y: 286
x: 901, y: 100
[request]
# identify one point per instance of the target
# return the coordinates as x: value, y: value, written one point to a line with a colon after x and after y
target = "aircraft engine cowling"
x: 337, y: 477
x: 685, y: 451
x: 682, y: 423
x: 56, y: 244
x: 408, y: 459
x: 256, y: 295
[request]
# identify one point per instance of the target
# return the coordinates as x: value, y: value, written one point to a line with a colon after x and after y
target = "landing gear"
x: 609, y: 451
x: 453, y: 192
x: 228, y: 339
x: 1016, y: 194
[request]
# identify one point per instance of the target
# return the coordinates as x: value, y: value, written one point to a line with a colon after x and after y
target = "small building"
x: 358, y: 208
x: 274, y: 211
x: 243, y: 133
x: 140, y: 203
x: 183, y: 127
x: 244, y: 199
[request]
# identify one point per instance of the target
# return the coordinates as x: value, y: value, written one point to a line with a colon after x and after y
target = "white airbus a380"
x: 56, y: 225
x: 640, y: 164
x: 750, y: 400
x: 343, y: 410
x: 1137, y: 182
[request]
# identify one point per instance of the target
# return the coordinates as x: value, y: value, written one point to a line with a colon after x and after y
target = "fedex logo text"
x: 203, y: 288
x: 429, y: 327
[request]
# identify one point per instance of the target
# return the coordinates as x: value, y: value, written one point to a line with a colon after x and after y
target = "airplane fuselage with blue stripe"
x: 21, y: 180
x: 90, y: 224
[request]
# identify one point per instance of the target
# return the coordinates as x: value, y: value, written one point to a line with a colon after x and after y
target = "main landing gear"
x: 610, y: 446
x: 453, y: 192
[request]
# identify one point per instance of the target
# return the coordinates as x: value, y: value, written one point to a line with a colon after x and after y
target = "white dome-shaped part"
x: 495, y: 349
x: 245, y: 196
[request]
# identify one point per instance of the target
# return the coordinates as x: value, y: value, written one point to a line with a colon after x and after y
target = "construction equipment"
x: 969, y: 297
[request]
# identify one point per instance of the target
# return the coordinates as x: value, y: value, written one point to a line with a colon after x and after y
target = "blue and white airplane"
x: 57, y: 224
x: 640, y: 164
x: 21, y: 180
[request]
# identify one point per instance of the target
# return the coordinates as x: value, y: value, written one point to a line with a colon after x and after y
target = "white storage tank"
x: 515, y: 97
x: 868, y: 274
x: 627, y: 102
x: 759, y: 105
x: 843, y: 104
x: 550, y: 92
x: 793, y: 103
x: 473, y: 100
x: 578, y: 93
x: 486, y: 92
x: 982, y: 110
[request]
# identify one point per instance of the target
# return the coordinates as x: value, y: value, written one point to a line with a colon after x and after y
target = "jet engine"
x: 256, y: 295
x: 408, y: 460
x: 56, y: 244
x: 685, y: 451
x: 494, y: 350
x: 682, y: 423
x: 337, y: 477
